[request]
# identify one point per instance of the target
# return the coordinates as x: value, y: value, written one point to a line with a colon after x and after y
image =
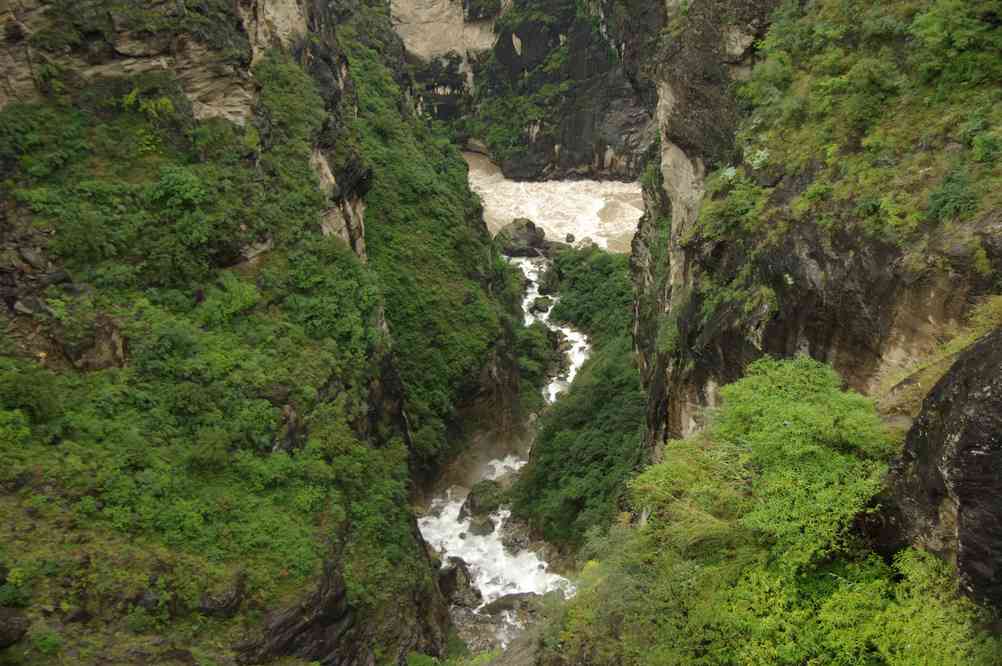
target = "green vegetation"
x: 589, y: 442
x: 75, y: 24
x: 746, y: 553
x: 874, y: 120
x: 441, y: 277
x: 176, y: 417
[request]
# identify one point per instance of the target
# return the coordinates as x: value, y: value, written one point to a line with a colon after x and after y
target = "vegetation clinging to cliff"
x: 589, y: 442
x: 878, y: 121
x: 441, y: 279
x: 746, y: 554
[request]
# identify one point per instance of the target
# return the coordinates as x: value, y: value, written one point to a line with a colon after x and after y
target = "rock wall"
x: 211, y: 48
x: 556, y: 97
x: 948, y: 483
x: 444, y: 40
x: 844, y: 298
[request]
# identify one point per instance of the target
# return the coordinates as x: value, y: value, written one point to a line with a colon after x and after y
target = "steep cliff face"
x: 547, y: 89
x: 186, y: 191
x: 554, y: 98
x: 946, y: 484
x: 696, y: 118
x: 445, y: 39
x: 755, y: 243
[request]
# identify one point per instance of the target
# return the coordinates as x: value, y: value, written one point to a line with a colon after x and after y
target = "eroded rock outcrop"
x: 948, y: 483
x: 842, y: 296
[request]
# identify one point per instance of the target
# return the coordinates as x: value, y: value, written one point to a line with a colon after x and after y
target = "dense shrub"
x: 745, y: 555
x: 589, y: 442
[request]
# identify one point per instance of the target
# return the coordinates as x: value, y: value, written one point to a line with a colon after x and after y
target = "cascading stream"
x: 607, y: 213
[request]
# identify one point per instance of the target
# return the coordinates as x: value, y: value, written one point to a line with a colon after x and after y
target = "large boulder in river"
x: 521, y: 238
x: 484, y: 499
x: 456, y: 584
x: 519, y: 601
x: 481, y: 525
x: 542, y: 305
x: 948, y: 483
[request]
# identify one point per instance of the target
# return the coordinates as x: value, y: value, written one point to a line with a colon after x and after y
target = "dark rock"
x: 603, y: 125
x: 569, y: 238
x: 327, y: 626
x: 13, y: 626
x: 520, y: 601
x: 521, y: 238
x: 227, y: 603
x: 542, y: 305
x: 57, y: 277
x: 484, y: 498
x: 33, y: 258
x: 948, y: 483
x: 79, y: 615
x: 549, y: 282
x: 456, y: 583
x: 481, y: 525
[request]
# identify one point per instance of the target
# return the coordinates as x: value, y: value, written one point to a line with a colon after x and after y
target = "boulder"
x: 521, y: 238
x: 549, y: 282
x: 456, y: 583
x: 542, y: 305
x: 947, y: 484
x: 552, y: 248
x: 520, y: 601
x: 569, y: 238
x: 13, y: 626
x: 481, y: 525
x: 485, y: 498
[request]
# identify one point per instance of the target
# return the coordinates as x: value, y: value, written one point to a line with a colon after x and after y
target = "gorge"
x: 535, y: 332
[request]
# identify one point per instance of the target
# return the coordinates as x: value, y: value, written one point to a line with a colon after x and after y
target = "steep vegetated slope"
x: 589, y: 443
x: 826, y: 187
x: 247, y: 298
x: 746, y: 554
x: 851, y: 192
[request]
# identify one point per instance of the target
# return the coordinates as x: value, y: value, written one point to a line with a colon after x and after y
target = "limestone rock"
x: 948, y: 482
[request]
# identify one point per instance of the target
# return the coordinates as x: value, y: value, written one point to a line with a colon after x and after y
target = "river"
x: 606, y: 213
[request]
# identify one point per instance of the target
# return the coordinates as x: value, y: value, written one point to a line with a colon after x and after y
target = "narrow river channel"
x: 606, y: 213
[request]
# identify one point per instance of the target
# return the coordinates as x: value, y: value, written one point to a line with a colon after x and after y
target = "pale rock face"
x: 273, y: 23
x: 344, y: 219
x: 433, y: 28
x: 215, y: 87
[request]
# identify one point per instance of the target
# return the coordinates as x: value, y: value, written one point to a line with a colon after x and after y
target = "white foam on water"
x: 496, y: 571
x: 605, y: 211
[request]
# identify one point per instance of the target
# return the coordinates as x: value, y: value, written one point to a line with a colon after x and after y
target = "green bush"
x: 589, y: 442
x: 745, y: 554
